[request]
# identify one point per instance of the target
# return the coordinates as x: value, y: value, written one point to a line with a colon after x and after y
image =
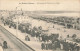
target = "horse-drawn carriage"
x: 25, y: 27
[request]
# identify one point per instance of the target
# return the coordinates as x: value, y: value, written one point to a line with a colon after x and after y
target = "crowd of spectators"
x: 60, y: 45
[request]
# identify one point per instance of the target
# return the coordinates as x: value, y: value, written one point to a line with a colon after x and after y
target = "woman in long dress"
x: 61, y: 46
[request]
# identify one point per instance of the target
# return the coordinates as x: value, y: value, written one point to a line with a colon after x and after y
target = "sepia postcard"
x: 39, y: 25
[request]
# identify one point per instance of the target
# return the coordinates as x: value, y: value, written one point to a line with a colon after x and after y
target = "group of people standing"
x: 70, y: 46
x: 60, y: 45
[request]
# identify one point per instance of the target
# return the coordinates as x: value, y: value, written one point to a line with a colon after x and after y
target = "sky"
x: 46, y: 5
